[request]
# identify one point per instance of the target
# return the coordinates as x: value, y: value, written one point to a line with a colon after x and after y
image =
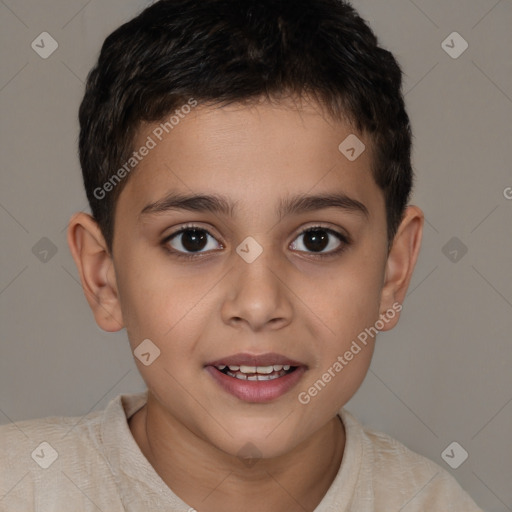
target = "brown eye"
x: 192, y: 240
x: 316, y: 240
x: 319, y: 240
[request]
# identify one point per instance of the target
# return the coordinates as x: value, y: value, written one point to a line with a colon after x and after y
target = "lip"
x: 256, y: 391
x: 255, y: 360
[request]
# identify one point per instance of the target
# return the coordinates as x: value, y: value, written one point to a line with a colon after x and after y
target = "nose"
x: 257, y: 296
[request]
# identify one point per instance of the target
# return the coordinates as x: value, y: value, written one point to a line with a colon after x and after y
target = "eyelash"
x: 345, y: 242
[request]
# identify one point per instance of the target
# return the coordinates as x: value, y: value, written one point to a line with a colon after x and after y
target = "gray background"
x: 442, y: 375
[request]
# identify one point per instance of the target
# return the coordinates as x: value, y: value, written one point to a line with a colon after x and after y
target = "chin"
x: 259, y: 439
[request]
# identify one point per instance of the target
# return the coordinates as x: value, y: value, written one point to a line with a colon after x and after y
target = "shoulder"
x: 404, y: 479
x: 51, y: 461
x: 46, y: 440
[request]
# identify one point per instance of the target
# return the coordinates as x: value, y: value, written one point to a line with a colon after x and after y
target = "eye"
x: 191, y: 240
x: 320, y: 240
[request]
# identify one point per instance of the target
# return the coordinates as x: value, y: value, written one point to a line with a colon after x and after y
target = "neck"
x: 212, y: 481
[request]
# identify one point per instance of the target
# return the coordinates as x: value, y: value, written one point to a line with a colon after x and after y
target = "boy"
x: 248, y: 170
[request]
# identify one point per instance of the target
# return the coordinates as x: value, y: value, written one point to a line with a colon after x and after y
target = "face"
x: 255, y: 292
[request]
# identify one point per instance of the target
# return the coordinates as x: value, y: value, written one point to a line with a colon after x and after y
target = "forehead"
x: 252, y: 154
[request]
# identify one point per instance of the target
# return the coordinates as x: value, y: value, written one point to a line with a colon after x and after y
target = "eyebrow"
x: 287, y: 206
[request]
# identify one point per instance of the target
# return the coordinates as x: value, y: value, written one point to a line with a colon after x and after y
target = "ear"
x: 96, y: 269
x: 400, y: 264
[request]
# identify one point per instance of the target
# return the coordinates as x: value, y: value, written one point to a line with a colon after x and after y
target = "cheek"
x: 164, y: 305
x: 333, y: 382
x: 349, y: 307
x: 348, y: 302
x: 163, y: 309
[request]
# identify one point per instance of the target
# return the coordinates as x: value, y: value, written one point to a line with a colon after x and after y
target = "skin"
x: 289, y: 300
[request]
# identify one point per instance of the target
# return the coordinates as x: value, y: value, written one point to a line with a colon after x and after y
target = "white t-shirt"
x: 94, y: 463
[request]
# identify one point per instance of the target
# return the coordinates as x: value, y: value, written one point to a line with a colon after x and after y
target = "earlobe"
x: 95, y: 266
x: 401, y: 262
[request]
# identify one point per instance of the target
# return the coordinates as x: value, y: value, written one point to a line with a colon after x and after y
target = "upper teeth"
x: 265, y: 370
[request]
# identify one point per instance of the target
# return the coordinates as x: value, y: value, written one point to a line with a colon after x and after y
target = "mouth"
x: 258, y: 373
x: 254, y: 378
